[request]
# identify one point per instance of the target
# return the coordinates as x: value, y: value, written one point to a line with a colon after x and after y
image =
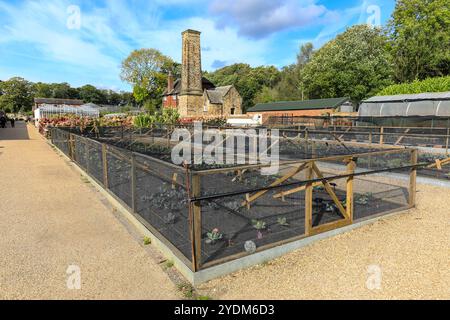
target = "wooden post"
x: 133, y: 183
x: 313, y: 150
x: 69, y: 145
x: 349, y: 200
x: 447, y: 141
x: 197, y: 224
x: 412, y: 179
x: 105, y: 166
x: 381, y: 135
x: 308, y: 199
x: 306, y: 139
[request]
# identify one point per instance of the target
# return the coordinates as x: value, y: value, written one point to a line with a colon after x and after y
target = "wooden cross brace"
x: 250, y: 199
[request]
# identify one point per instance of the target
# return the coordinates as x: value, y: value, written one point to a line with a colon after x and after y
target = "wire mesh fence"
x: 368, y: 121
x: 210, y: 214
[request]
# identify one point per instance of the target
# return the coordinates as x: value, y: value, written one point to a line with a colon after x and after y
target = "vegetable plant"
x: 214, y: 236
x: 259, y: 226
x: 364, y: 198
x: 282, y: 221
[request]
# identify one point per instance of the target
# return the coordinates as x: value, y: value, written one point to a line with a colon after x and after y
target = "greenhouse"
x: 423, y: 104
x: 49, y: 111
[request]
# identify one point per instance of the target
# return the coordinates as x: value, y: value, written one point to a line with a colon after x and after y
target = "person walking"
x: 13, y: 122
x: 2, y: 121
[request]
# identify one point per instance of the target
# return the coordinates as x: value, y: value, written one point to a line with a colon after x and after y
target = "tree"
x: 17, y: 95
x: 247, y: 80
x: 354, y: 64
x: 305, y: 54
x: 42, y: 90
x: 89, y: 93
x: 146, y: 70
x: 419, y: 34
x: 63, y: 91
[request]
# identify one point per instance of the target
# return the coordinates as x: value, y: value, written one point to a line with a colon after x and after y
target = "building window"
x: 205, y: 108
x: 233, y: 110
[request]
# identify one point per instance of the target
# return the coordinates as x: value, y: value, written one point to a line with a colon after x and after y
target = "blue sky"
x: 82, y: 42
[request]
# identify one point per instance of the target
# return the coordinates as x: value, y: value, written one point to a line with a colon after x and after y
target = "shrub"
x: 437, y: 84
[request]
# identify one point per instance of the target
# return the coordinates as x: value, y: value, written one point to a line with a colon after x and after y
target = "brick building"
x: 194, y: 95
x: 316, y: 107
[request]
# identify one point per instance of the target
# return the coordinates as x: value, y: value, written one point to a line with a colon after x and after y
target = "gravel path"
x: 50, y: 219
x: 411, y: 250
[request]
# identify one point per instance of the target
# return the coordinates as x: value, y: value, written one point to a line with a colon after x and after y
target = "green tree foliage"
x: 17, y: 95
x: 247, y: 80
x: 354, y: 64
x: 419, y: 33
x: 437, y: 84
x: 89, y: 93
x: 290, y: 87
x: 146, y: 70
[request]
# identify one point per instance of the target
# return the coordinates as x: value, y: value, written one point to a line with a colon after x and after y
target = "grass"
x: 186, y: 289
x: 204, y: 298
x: 147, y: 241
x: 168, y: 264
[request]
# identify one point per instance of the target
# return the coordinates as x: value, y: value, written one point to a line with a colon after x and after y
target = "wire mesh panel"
x: 119, y: 175
x: 80, y: 151
x: 381, y: 195
x: 95, y: 160
x: 162, y: 201
x: 60, y: 139
x: 239, y: 224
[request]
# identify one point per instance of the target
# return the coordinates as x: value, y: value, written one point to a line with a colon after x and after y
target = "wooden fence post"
x: 197, y: 224
x: 382, y: 135
x: 349, y: 200
x: 71, y: 147
x: 447, y: 141
x: 308, y: 199
x: 413, y: 178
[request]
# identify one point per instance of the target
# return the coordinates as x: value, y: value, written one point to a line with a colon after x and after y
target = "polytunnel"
x: 435, y: 104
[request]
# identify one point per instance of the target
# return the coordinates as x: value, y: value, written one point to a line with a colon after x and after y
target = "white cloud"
x: 260, y: 18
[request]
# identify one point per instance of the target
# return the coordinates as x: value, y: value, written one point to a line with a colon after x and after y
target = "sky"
x: 84, y: 42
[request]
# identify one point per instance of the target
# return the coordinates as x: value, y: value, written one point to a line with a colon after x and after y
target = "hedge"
x: 438, y: 84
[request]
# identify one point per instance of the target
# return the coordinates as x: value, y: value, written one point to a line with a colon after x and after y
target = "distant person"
x: 2, y: 121
x: 13, y: 122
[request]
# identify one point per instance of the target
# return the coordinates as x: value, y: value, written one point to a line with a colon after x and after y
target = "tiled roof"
x: 216, y: 95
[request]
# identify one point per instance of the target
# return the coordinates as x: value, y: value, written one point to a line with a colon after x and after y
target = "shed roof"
x: 330, y: 103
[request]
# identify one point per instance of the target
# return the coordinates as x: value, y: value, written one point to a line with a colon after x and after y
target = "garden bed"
x: 210, y: 214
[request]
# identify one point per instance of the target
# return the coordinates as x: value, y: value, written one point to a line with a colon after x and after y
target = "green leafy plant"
x: 214, y: 236
x: 283, y: 222
x: 259, y: 226
x: 364, y: 199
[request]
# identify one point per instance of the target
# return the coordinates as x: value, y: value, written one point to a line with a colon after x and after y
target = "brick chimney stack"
x: 169, y: 82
